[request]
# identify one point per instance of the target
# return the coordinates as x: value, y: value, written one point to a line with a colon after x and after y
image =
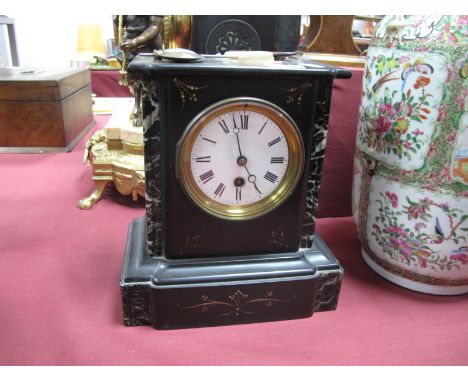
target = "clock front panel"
x: 233, y: 167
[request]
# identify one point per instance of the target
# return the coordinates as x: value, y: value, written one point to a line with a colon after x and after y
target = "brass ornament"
x: 177, y: 31
x: 117, y: 161
x: 123, y: 81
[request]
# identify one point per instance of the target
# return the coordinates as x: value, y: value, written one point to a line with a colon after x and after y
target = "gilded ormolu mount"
x: 116, y: 155
x: 116, y: 152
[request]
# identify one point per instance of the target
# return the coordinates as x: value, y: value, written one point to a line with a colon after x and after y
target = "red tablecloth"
x: 104, y: 83
x: 338, y: 166
x: 60, y: 297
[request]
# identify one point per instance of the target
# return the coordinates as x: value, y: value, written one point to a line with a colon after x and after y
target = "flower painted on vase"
x: 432, y: 150
x: 383, y: 124
x: 416, y: 245
x: 401, y: 126
x: 462, y: 22
x: 414, y: 212
x: 451, y: 73
x: 429, y: 186
x: 407, y: 145
x: 452, y: 137
x: 387, y: 121
x: 415, y: 24
x: 453, y: 32
x: 446, y: 173
x: 461, y: 99
x: 421, y: 82
x: 393, y: 198
x: 421, y: 48
x: 460, y: 255
x: 419, y: 226
x: 403, y: 59
x: 418, y: 132
x: 437, y: 177
x: 442, y: 113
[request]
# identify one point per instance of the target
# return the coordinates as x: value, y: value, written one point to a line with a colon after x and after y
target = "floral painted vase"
x: 410, y: 190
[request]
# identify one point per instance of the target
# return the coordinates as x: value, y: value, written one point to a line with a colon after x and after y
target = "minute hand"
x: 235, y: 130
x: 238, y: 145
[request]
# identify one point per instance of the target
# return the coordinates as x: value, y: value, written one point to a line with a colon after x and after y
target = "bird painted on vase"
x: 418, y: 248
x: 419, y: 66
x: 382, y: 80
x: 439, y: 233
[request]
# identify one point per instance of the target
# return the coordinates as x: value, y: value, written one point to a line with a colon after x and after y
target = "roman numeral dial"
x: 278, y: 160
x: 271, y: 177
x: 224, y: 126
x: 207, y: 176
x: 240, y: 158
x: 204, y: 159
x: 220, y: 189
x: 244, y: 122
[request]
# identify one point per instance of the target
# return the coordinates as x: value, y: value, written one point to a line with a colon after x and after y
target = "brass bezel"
x: 281, y: 192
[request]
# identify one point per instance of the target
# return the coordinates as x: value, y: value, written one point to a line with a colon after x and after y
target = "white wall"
x: 51, y: 40
x: 5, y: 57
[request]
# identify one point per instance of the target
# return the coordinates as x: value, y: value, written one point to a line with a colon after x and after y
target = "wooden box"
x: 44, y: 110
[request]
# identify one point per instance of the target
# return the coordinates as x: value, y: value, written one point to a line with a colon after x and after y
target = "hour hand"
x: 255, y: 185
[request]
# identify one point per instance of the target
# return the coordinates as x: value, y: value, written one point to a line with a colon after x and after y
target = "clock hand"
x: 236, y: 133
x: 252, y: 179
x: 260, y: 192
x: 242, y: 160
x: 238, y: 145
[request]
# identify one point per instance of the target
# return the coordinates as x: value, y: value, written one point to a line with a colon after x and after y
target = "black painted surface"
x: 277, y: 231
x: 215, y: 33
x: 148, y: 66
x: 172, y: 294
x: 189, y: 232
x: 186, y: 268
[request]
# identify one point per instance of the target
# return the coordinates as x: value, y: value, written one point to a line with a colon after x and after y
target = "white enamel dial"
x: 241, y: 158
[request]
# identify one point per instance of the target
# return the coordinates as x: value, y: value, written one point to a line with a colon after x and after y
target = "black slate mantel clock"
x: 233, y: 159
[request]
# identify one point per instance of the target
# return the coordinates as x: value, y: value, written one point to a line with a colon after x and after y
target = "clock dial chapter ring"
x: 230, y: 166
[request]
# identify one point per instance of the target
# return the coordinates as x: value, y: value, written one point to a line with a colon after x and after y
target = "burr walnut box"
x: 44, y: 109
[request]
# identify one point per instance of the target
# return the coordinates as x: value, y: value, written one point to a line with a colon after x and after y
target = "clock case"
x: 186, y: 268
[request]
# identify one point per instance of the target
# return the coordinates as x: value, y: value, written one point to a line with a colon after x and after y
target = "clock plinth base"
x: 185, y: 293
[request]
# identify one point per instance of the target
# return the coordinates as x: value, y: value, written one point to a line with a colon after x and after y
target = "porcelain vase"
x: 410, y: 190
